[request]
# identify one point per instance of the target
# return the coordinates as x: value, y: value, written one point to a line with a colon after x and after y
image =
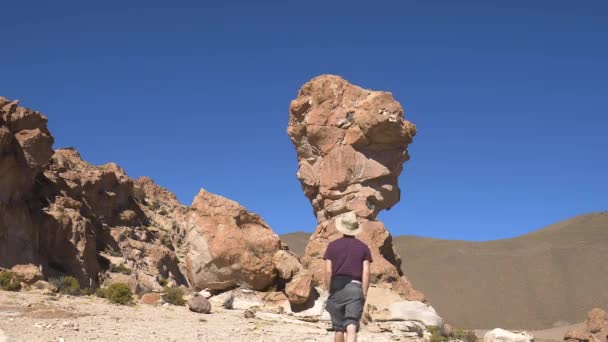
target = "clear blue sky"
x: 510, y: 98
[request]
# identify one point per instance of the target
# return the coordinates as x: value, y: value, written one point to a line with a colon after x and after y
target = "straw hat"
x: 347, y: 224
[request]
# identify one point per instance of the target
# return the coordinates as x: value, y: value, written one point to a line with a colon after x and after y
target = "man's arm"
x: 328, y: 271
x: 365, y: 285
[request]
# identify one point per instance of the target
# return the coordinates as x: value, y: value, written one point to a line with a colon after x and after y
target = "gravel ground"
x: 28, y: 316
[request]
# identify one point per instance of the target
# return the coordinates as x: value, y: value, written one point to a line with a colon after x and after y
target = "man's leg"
x: 336, y: 312
x: 353, y: 311
x: 351, y: 333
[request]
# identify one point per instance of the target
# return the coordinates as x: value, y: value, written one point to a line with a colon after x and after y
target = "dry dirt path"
x: 27, y: 316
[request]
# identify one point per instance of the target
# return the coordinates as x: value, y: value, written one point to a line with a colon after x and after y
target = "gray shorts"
x: 346, y: 306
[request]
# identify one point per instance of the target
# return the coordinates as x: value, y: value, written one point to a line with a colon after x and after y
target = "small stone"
x: 249, y: 314
x: 199, y: 304
x: 205, y: 293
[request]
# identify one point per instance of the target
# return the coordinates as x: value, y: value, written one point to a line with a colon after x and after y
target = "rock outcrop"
x: 25, y: 149
x: 60, y: 215
x: 351, y: 144
x: 596, y: 328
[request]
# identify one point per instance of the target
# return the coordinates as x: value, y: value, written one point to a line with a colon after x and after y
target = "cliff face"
x: 351, y: 144
x: 64, y: 216
x: 25, y: 148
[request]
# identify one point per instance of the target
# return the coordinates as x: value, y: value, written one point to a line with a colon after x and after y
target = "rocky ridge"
x: 60, y: 215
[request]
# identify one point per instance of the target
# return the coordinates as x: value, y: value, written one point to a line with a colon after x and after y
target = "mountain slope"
x: 296, y: 241
x: 533, y: 281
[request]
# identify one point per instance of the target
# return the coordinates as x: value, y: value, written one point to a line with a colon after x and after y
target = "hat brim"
x: 348, y: 232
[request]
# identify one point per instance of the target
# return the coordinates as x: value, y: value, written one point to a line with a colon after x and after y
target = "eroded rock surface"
x: 60, y: 215
x: 229, y: 246
x: 596, y: 328
x: 25, y: 149
x: 351, y: 144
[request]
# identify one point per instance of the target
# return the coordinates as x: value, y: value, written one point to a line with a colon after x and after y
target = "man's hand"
x: 365, y: 282
x: 328, y: 271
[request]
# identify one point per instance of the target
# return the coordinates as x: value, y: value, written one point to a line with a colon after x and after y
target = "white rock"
x: 315, y: 307
x: 3, y: 337
x: 225, y: 299
x: 501, y: 335
x: 205, y: 293
x: 415, y: 311
x: 245, y: 299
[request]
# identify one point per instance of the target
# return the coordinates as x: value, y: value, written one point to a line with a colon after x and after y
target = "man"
x: 347, y: 262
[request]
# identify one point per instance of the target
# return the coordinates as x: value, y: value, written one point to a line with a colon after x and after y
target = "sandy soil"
x: 27, y: 316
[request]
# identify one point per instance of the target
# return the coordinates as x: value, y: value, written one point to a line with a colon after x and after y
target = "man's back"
x: 347, y: 255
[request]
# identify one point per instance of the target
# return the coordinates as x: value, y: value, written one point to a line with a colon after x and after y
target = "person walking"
x: 347, y: 262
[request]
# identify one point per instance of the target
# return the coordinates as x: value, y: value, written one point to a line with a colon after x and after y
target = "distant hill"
x: 534, y: 281
x: 296, y: 241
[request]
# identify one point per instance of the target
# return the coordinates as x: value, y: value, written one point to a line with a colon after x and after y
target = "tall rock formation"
x: 351, y: 145
x: 25, y: 149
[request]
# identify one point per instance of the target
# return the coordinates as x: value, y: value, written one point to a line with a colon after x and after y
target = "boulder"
x: 577, y: 335
x: 225, y: 299
x: 414, y: 311
x: 151, y: 298
x: 447, y: 330
x: 597, y: 321
x: 596, y: 328
x: 239, y: 299
x: 199, y: 304
x: 276, y: 301
x: 205, y: 293
x: 501, y: 335
x: 28, y: 274
x: 351, y: 144
x: 44, y: 285
x: 245, y: 299
x: 298, y: 289
x: 313, y: 308
x: 286, y: 264
x: 228, y: 246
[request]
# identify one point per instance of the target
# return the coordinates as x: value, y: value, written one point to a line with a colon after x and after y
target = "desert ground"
x: 27, y: 316
x: 37, y: 317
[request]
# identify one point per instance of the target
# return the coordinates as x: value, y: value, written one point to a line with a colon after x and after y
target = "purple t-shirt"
x: 347, y: 255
